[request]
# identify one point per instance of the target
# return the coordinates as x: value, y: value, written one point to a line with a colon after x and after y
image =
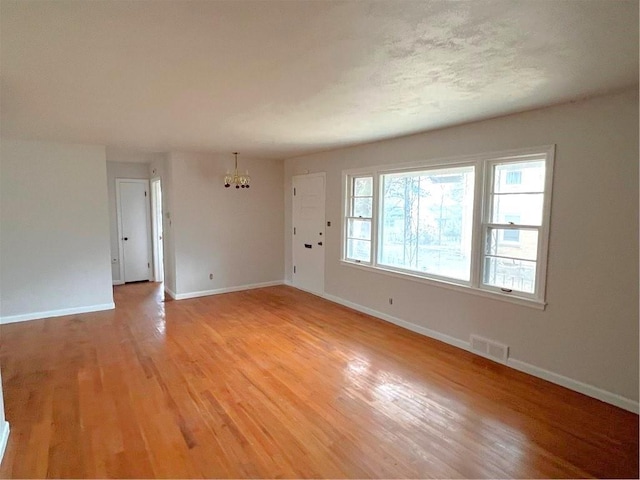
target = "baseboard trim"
x: 118, y: 282
x: 56, y: 313
x: 171, y: 293
x: 401, y: 323
x: 4, y: 439
x: 571, y: 384
x: 576, y: 385
x: 218, y: 291
x: 289, y: 284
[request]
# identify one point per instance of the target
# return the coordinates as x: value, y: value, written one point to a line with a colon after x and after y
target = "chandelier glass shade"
x: 240, y: 181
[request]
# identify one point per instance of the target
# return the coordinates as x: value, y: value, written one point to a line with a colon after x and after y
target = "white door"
x: 308, y: 232
x: 133, y: 212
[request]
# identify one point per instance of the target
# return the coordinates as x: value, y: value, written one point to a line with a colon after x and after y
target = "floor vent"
x: 490, y: 349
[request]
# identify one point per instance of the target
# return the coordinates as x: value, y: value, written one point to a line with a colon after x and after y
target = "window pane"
x: 510, y: 273
x: 516, y: 243
x: 359, y: 229
x: 526, y: 207
x: 514, y: 178
x: 426, y: 221
x: 359, y: 250
x: 362, y: 207
x: 511, y: 235
x: 519, y: 177
x: 363, y: 187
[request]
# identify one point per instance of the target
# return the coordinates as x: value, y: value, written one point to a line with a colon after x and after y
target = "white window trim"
x: 483, y: 176
x: 542, y: 230
x: 346, y: 215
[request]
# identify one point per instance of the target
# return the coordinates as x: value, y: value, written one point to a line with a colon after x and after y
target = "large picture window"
x: 479, y: 223
x: 426, y: 221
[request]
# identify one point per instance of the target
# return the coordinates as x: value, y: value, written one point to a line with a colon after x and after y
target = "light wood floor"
x: 279, y: 383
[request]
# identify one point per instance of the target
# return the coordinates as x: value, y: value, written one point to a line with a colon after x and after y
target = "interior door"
x: 134, y: 229
x: 308, y: 232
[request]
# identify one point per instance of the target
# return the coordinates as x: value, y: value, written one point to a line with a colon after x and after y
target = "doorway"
x: 156, y: 230
x: 133, y: 229
x: 308, y: 232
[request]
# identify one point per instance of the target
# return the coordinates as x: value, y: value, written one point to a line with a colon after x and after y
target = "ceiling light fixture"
x: 240, y: 181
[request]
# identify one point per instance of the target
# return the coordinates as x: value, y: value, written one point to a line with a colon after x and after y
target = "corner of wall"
x: 4, y: 438
x: 4, y: 425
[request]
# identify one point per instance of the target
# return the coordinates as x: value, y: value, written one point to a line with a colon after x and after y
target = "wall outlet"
x: 211, y: 276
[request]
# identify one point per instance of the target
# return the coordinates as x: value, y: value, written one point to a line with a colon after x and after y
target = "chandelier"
x: 240, y: 181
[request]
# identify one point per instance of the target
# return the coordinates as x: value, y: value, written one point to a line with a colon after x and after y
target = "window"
x: 508, y: 265
x: 426, y: 221
x: 358, y: 219
x: 475, y: 223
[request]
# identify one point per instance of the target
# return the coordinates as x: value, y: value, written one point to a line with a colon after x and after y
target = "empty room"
x: 319, y: 239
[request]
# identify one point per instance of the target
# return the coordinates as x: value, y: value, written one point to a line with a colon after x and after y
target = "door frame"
x: 155, y: 221
x: 324, y: 222
x: 119, y: 223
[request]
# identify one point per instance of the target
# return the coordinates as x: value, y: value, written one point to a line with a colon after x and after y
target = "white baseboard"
x: 118, y: 282
x: 56, y: 313
x: 576, y: 385
x: 4, y: 438
x: 571, y: 384
x: 290, y: 284
x: 171, y: 293
x: 205, y: 293
x: 401, y: 323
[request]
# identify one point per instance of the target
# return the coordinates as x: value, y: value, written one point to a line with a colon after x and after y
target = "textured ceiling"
x: 276, y: 79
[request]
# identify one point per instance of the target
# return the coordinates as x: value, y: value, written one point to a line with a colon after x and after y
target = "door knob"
x: 126, y: 238
x: 320, y: 243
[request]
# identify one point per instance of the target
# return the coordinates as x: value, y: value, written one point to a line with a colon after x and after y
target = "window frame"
x: 483, y: 176
x: 378, y: 232
x: 349, y: 205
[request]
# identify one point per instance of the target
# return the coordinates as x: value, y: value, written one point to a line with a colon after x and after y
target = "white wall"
x: 54, y: 230
x: 119, y: 170
x: 589, y: 330
x: 235, y: 234
x: 161, y: 168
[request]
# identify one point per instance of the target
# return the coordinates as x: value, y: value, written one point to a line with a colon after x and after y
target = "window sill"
x: 525, y: 302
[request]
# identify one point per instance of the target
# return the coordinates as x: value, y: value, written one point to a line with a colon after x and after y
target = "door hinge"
x: 148, y: 266
x: 294, y: 191
x: 145, y: 194
x: 294, y: 269
x: 294, y: 230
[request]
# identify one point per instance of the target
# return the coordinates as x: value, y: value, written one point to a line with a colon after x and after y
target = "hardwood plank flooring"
x: 278, y: 383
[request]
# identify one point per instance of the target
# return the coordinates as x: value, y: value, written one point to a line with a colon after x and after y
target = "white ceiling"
x: 275, y: 79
